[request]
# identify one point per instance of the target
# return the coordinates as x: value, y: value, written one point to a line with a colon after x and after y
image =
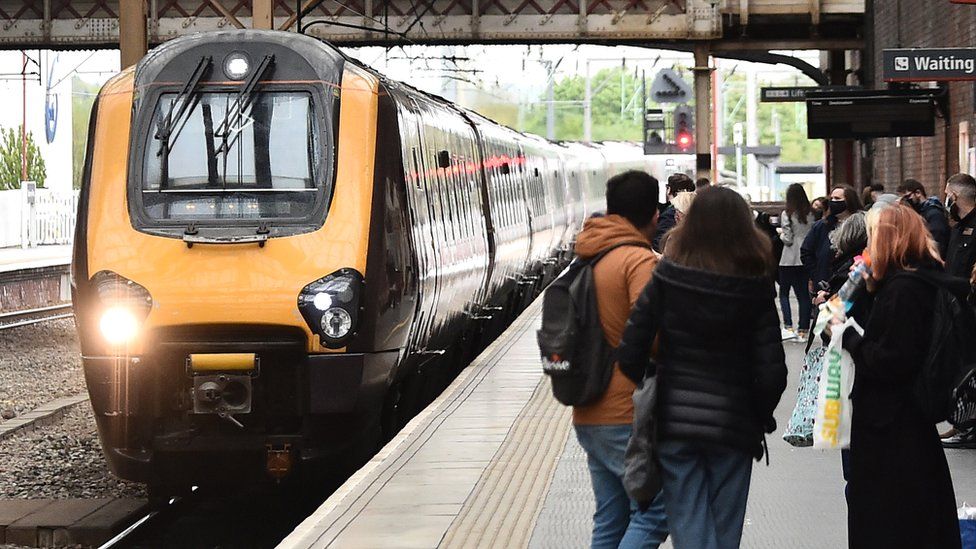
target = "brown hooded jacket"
x: 620, y: 277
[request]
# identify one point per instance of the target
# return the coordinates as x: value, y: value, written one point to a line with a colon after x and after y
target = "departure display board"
x: 870, y: 114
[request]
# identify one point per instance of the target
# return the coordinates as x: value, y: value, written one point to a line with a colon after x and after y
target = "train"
x: 281, y: 255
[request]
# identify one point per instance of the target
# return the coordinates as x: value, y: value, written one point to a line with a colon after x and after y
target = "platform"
x: 493, y: 463
x: 17, y: 259
x: 33, y: 278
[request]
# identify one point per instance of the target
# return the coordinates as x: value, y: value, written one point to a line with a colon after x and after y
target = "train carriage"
x: 281, y: 255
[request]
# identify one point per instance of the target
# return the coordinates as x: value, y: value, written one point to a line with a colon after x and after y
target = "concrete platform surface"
x: 48, y: 522
x: 493, y: 462
x: 15, y: 259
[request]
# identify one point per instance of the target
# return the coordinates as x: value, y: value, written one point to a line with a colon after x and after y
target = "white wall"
x: 10, y: 207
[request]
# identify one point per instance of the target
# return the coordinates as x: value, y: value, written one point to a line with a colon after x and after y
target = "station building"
x: 921, y: 24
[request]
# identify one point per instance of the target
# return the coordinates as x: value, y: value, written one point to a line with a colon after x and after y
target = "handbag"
x: 642, y: 473
x: 799, y: 430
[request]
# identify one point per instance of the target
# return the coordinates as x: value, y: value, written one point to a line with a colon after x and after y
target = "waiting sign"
x: 929, y: 64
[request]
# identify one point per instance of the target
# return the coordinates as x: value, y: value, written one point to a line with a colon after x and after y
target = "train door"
x: 424, y: 242
x: 427, y: 155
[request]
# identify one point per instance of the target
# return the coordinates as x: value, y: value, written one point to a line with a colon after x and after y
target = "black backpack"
x: 575, y: 351
x: 946, y: 386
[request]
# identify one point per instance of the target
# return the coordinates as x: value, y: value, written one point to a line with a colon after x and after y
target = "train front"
x: 220, y: 261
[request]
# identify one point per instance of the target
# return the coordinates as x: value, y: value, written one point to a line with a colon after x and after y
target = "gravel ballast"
x: 59, y: 461
x: 38, y: 363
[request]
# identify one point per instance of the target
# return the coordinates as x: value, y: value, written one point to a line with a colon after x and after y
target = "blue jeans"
x: 705, y: 493
x: 617, y: 522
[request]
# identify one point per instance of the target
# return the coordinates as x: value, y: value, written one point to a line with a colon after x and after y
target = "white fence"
x: 31, y: 217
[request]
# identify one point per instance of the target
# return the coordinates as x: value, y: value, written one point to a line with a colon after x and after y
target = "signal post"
x: 703, y: 98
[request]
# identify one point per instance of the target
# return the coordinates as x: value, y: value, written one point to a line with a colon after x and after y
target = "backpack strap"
x: 636, y: 243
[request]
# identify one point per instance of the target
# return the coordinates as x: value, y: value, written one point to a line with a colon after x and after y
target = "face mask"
x: 817, y: 213
x: 949, y: 202
x: 837, y: 207
x: 954, y: 212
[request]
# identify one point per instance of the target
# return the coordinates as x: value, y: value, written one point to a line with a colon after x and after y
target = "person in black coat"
x: 677, y: 183
x: 900, y: 492
x: 936, y: 219
x: 815, y: 252
x: 711, y: 304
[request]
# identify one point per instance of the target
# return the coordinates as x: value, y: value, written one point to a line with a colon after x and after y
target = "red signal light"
x: 684, y: 140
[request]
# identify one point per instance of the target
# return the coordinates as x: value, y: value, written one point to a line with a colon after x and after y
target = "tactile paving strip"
x: 503, y: 507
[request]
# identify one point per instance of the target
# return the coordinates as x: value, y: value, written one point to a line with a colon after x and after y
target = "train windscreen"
x: 223, y: 159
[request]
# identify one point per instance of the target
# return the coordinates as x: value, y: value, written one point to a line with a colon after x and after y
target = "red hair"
x: 899, y: 240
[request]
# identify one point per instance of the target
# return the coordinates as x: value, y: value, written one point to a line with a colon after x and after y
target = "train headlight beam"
x: 118, y: 325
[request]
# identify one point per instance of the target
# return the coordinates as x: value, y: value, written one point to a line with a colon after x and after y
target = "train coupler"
x: 278, y: 460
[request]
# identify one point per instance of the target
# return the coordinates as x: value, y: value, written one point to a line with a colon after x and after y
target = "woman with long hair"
x: 796, y: 222
x: 721, y: 368
x: 900, y: 492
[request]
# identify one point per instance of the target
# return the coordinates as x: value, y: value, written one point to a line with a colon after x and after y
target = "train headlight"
x: 330, y: 306
x: 336, y: 323
x: 237, y: 65
x: 124, y: 305
x: 118, y: 325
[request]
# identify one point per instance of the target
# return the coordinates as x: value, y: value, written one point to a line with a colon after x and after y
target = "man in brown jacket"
x: 603, y: 428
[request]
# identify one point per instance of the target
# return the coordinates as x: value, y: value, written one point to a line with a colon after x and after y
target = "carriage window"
x: 263, y: 164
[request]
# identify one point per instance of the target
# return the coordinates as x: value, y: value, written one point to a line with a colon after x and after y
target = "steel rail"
x: 13, y: 319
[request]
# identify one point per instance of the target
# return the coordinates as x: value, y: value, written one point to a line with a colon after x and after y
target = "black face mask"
x: 837, y: 207
x: 954, y: 211
x: 817, y: 213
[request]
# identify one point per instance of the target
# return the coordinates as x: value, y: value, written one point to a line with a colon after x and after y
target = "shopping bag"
x: 832, y: 420
x: 799, y: 430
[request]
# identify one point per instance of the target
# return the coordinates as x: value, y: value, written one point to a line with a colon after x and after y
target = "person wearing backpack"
x: 604, y: 426
x: 711, y: 307
x: 960, y: 259
x: 900, y: 493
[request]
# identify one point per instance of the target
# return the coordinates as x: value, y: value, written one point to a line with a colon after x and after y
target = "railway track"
x: 16, y: 319
x: 243, y: 517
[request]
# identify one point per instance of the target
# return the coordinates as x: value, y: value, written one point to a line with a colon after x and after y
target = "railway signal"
x: 684, y: 128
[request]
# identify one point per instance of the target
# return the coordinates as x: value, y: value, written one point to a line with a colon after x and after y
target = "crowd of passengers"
x: 691, y: 299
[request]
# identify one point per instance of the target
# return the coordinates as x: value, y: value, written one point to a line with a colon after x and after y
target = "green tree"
x: 10, y: 159
x: 796, y: 148
x: 608, y: 122
x: 82, y: 98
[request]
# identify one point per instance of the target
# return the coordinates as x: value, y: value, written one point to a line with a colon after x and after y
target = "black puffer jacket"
x: 722, y: 366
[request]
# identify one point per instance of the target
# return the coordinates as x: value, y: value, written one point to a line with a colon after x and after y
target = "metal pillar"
x: 752, y: 130
x: 132, y: 31
x: 703, y: 117
x: 262, y: 13
x: 588, y: 107
x: 551, y: 108
x: 840, y: 167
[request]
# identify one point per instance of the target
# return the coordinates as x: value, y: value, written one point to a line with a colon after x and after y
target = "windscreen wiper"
x: 186, y: 99
x: 245, y: 97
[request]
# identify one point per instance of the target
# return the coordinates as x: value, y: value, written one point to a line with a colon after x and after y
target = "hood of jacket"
x: 599, y: 233
x: 746, y: 288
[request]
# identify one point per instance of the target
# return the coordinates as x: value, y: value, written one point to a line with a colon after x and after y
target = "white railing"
x: 30, y: 217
